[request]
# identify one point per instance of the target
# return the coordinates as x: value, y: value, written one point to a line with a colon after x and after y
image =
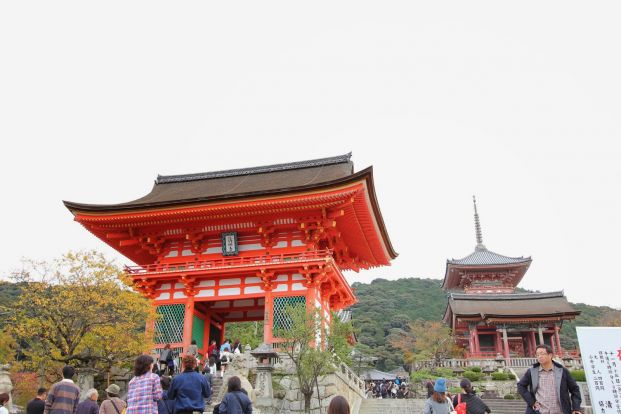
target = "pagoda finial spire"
x: 477, y: 226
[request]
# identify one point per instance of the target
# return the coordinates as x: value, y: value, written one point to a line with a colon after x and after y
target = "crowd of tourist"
x: 151, y: 391
x: 397, y: 388
x: 163, y: 384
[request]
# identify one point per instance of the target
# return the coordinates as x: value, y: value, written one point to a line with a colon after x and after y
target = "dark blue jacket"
x: 165, y: 406
x: 230, y: 404
x: 88, y: 406
x: 567, y: 390
x: 189, y: 390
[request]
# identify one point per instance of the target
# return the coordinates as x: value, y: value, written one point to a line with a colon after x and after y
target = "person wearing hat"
x: 113, y: 404
x: 474, y: 405
x: 438, y: 403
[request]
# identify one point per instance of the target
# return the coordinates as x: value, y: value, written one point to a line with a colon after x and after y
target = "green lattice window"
x: 169, y: 326
x: 280, y: 319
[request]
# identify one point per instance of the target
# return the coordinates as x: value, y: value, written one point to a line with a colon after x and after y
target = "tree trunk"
x: 307, y: 401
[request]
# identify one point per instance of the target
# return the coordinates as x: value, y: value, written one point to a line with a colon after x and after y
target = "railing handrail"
x: 231, y: 261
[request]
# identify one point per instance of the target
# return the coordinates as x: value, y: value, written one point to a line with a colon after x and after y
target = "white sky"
x: 516, y: 102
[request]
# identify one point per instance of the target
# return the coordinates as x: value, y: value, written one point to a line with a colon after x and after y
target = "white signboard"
x: 601, y: 356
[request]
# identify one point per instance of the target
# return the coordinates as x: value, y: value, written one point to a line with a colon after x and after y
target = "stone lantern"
x: 490, y: 388
x: 264, y: 355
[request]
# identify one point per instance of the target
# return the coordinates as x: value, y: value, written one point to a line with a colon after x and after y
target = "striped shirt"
x: 62, y: 398
x: 143, y: 393
x: 546, y: 393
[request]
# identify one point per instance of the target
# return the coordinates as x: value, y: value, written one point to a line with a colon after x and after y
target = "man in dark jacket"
x: 189, y: 389
x: 548, y: 388
x: 37, y: 405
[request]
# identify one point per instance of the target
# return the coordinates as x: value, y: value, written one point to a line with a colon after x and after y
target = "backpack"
x: 460, y: 408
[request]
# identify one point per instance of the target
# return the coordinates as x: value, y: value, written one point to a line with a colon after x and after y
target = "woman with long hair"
x: 144, y: 390
x: 338, y: 405
x: 438, y: 403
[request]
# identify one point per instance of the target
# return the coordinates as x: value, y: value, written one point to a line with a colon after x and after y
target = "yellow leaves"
x: 78, y: 309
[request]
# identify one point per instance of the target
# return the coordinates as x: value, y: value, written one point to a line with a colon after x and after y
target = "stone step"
x: 391, y: 406
x: 501, y: 406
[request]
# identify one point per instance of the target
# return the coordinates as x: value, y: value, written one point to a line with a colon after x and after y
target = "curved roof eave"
x: 366, y: 174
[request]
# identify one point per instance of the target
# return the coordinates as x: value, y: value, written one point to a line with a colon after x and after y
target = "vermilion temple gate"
x: 239, y: 245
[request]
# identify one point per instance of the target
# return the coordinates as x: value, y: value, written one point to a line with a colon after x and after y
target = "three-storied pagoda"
x: 239, y: 245
x: 485, y: 314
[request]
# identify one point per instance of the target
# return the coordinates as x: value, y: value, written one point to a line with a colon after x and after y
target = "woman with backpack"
x: 469, y: 402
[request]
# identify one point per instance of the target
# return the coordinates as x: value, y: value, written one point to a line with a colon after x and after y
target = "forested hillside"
x: 385, y: 306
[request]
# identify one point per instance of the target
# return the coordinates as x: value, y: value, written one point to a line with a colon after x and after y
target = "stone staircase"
x: 391, y: 406
x: 216, y: 385
x: 500, y: 406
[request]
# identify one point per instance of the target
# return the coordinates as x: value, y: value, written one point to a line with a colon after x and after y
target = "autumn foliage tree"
x: 425, y: 340
x: 78, y: 310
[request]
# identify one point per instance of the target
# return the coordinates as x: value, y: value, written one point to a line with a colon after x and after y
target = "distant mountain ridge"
x: 385, y: 306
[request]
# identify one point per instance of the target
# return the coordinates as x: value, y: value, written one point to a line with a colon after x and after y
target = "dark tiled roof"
x: 510, y: 304
x: 482, y: 256
x: 228, y: 184
x: 165, y: 179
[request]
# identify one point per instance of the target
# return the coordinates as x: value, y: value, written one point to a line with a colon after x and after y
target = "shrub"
x: 473, y: 376
x: 578, y: 375
x: 455, y: 390
x: 499, y: 376
x: 421, y: 375
x: 474, y: 369
x: 509, y: 397
x: 444, y: 372
x: 511, y: 375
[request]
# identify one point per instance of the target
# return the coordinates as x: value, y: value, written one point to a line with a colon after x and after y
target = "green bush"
x: 473, y: 376
x: 578, y: 375
x: 509, y: 397
x: 511, y: 375
x: 474, y: 369
x: 444, y: 372
x: 499, y: 376
x: 421, y: 375
x: 455, y: 390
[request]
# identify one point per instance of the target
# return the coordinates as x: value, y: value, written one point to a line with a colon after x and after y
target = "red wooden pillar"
x: 477, y: 346
x: 498, y: 343
x: 557, y: 337
x: 553, y: 343
x: 268, y: 318
x: 471, y: 347
x: 505, y: 343
x: 533, y: 343
x: 187, y: 324
x: 311, y: 296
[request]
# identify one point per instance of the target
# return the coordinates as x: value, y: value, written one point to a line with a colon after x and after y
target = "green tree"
x: 425, y: 340
x: 310, y: 359
x: 78, y: 310
x: 248, y: 333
